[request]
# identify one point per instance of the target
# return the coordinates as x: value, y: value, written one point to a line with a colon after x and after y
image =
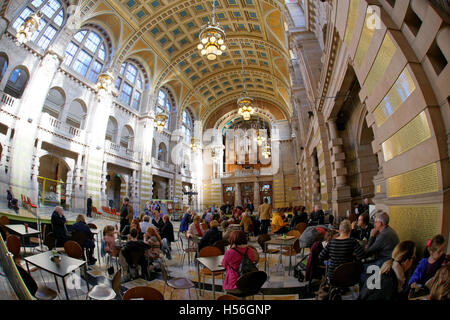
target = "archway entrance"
x: 52, y: 180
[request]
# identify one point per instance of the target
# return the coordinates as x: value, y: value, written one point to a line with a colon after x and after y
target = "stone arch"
x: 77, y: 114
x: 54, y: 102
x: 17, y: 82
x: 112, y: 130
x: 162, y: 151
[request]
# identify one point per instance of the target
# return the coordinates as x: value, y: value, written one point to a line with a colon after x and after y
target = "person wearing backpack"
x: 234, y: 261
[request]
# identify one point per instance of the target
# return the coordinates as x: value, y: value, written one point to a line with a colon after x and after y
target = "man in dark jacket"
x: 124, y: 214
x: 166, y: 232
x: 211, y: 236
x: 317, y: 217
x: 89, y: 207
x: 361, y: 230
x: 136, y: 247
x: 59, y: 227
x: 81, y: 226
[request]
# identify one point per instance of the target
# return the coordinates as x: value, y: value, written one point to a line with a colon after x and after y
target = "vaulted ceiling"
x: 163, y: 36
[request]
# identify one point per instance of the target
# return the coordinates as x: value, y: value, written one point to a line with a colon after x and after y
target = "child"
x: 110, y: 244
x: 427, y: 267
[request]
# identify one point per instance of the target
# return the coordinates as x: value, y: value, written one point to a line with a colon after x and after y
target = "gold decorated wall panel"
x: 400, y: 91
x: 384, y: 57
x: 412, y: 134
x: 416, y: 223
x: 364, y: 42
x: 418, y: 181
x: 351, y: 20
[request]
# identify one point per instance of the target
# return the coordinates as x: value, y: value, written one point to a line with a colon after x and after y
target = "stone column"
x: 237, y: 195
x: 256, y: 199
x: 341, y: 194
x: 69, y: 187
x: 315, y: 182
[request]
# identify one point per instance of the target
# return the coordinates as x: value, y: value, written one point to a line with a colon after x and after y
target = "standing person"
x: 233, y: 257
x: 250, y: 207
x: 264, y: 216
x: 246, y: 221
x: 125, y: 214
x: 364, y: 207
x: 317, y: 216
x: 59, y: 227
x: 186, y: 221
x: 147, y: 208
x: 89, y: 207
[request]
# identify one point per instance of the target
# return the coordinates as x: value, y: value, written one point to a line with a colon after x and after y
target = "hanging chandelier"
x: 26, y: 30
x: 104, y: 83
x: 244, y: 102
x: 266, y: 150
x: 259, y: 137
x: 193, y: 145
x: 161, y: 121
x: 212, y: 38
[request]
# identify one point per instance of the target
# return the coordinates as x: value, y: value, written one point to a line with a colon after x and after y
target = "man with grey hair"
x: 383, y: 239
x: 59, y: 226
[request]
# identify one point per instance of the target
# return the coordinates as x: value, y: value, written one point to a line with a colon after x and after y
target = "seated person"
x: 313, y: 270
x: 157, y: 220
x: 81, y: 226
x: 145, y: 224
x: 211, y: 236
x: 135, y: 245
x: 226, y: 230
x: 59, y: 227
x: 126, y: 230
x: 440, y: 284
x: 246, y: 221
x: 153, y: 239
x: 393, y: 286
x: 278, y: 225
x: 427, y: 267
x: 109, y: 233
x: 341, y: 250
x: 195, y: 229
x: 361, y: 230
x: 382, y: 240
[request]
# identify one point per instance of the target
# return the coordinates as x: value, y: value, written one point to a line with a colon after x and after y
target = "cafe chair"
x: 73, y: 249
x: 301, y: 227
x: 143, y: 293
x: 177, y: 283
x: 186, y: 250
x: 221, y: 244
x: 13, y: 244
x: 262, y: 239
x: 4, y: 220
x: 92, y: 226
x: 39, y: 292
x: 345, y: 276
x: 249, y: 284
x: 104, y: 292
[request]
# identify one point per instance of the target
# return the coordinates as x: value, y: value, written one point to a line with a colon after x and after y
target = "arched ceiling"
x: 164, y: 34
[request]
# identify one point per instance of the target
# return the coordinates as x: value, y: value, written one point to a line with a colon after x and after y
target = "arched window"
x: 86, y: 54
x: 111, y: 130
x: 187, y: 126
x: 77, y: 114
x: 50, y: 23
x: 164, y: 105
x: 162, y: 152
x: 130, y: 84
x: 127, y: 137
x: 17, y: 82
x: 54, y: 102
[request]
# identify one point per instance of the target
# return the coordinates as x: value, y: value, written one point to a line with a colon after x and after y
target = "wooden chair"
x: 104, y: 292
x: 249, y: 284
x: 263, y: 238
x: 221, y: 244
x: 294, y: 233
x: 4, y: 220
x: 345, y: 276
x: 301, y: 227
x: 228, y: 297
x: 73, y: 249
x: 13, y: 244
x: 143, y: 293
x: 176, y: 283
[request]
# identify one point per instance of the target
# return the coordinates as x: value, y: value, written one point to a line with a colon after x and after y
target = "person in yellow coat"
x: 278, y: 225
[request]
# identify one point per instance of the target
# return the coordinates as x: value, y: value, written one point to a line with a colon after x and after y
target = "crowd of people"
x: 357, y: 237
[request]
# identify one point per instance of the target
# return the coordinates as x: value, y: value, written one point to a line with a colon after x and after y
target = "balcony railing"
x: 164, y: 165
x: 241, y: 173
x: 119, y: 150
x: 8, y: 103
x: 52, y: 124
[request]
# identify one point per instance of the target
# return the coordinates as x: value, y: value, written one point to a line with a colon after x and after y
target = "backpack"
x: 246, y: 265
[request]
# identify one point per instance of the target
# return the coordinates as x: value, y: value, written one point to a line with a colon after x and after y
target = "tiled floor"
x: 279, y: 286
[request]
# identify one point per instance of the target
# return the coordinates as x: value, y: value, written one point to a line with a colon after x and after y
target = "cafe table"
x: 66, y: 266
x: 213, y: 264
x: 23, y: 232
x: 280, y: 241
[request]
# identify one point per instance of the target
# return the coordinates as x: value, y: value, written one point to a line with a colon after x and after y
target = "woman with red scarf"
x: 195, y: 229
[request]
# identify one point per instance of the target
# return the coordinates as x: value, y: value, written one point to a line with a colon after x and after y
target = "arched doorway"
x: 52, y: 180
x: 114, y: 183
x: 54, y: 102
